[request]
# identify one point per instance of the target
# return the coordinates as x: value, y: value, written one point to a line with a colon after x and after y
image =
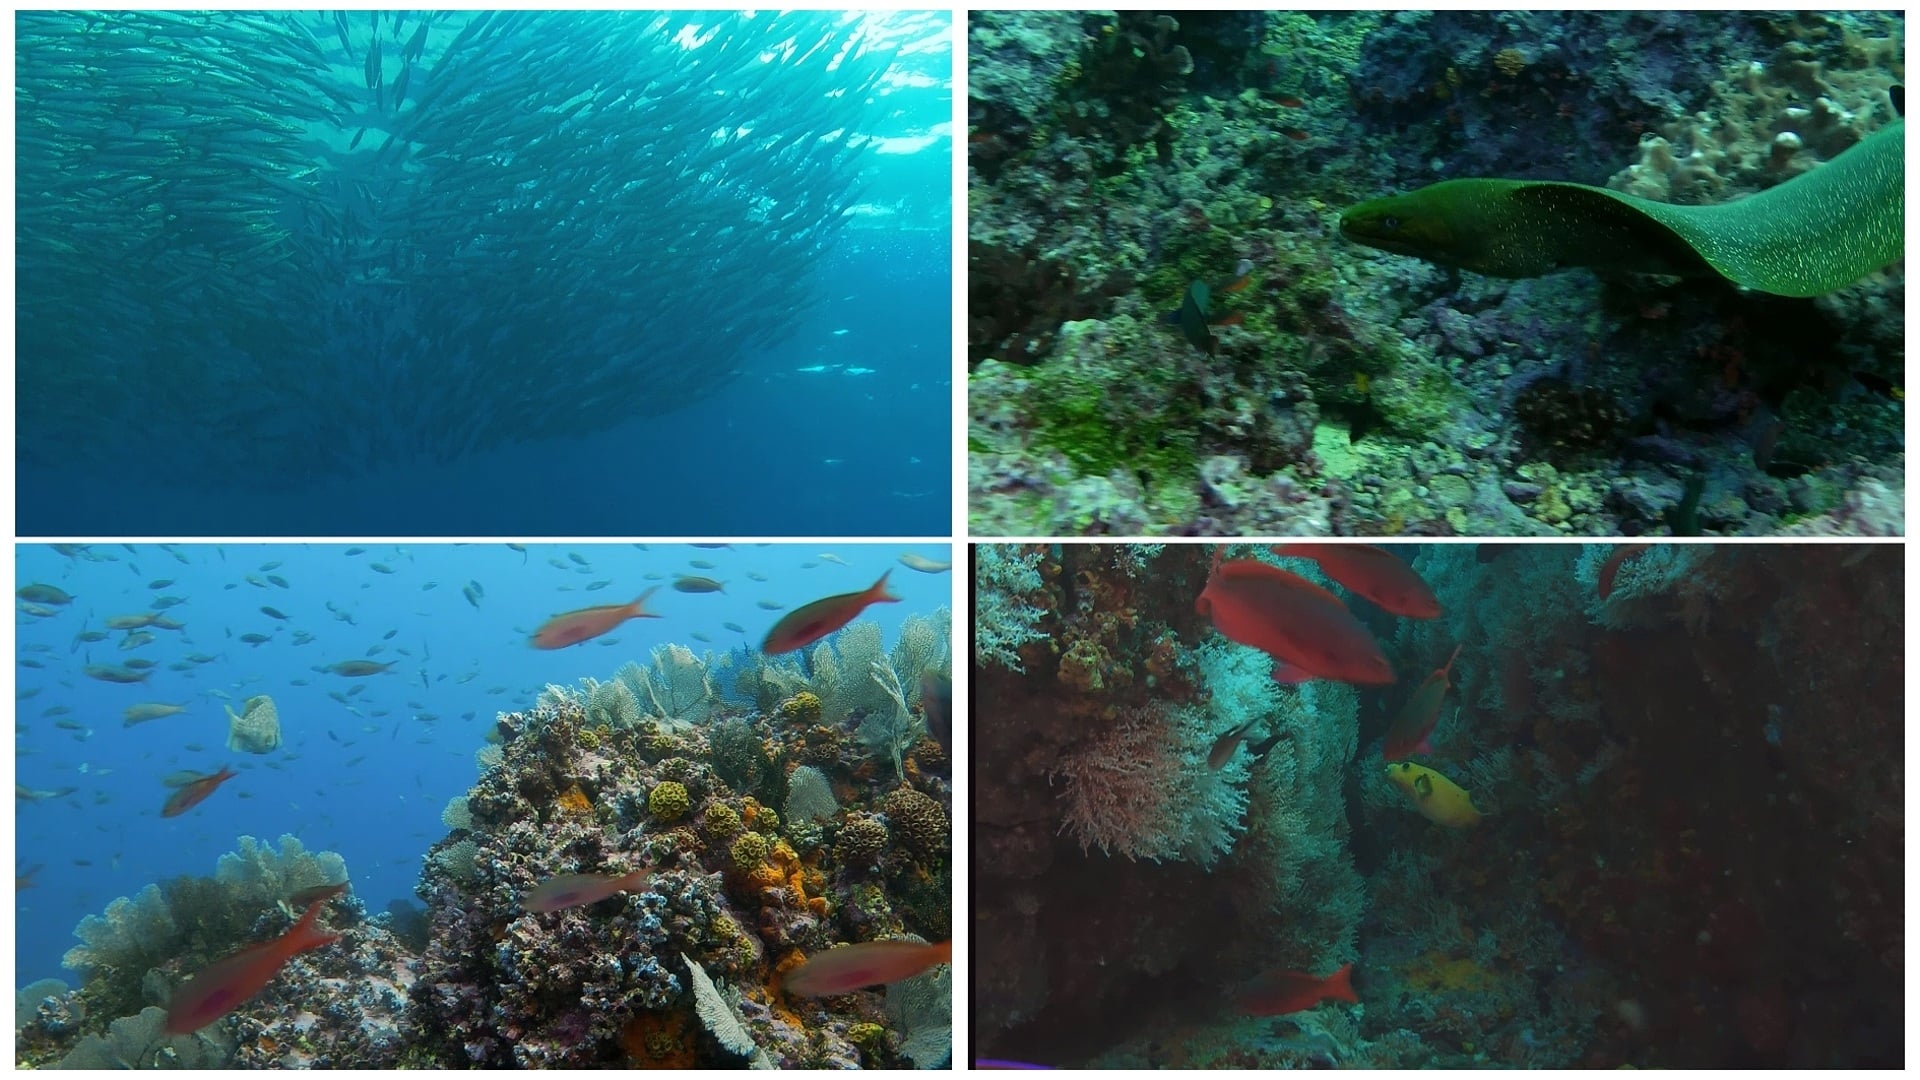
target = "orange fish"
x: 24, y: 879
x: 807, y: 624
x: 1612, y: 566
x: 847, y: 968
x: 191, y: 793
x: 1278, y: 993
x: 1371, y: 572
x: 1307, y: 630
x: 575, y: 627
x: 572, y: 890
x: 1408, y: 735
x: 228, y: 984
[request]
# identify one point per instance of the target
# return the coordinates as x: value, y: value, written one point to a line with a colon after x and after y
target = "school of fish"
x: 265, y: 248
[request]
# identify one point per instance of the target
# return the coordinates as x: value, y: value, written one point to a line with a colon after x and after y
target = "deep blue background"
x: 775, y: 453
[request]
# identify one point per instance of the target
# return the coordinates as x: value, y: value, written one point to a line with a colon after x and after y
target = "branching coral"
x: 1006, y: 583
x: 679, y: 687
x: 1143, y: 789
x: 890, y: 731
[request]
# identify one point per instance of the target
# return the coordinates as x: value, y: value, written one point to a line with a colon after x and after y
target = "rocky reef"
x: 1115, y: 160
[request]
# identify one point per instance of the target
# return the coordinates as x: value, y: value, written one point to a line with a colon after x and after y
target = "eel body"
x: 1818, y: 232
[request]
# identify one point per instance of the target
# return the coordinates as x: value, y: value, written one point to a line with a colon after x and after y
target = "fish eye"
x: 1390, y: 221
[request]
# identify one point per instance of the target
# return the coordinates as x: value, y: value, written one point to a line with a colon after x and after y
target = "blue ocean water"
x: 306, y: 297
x: 367, y: 776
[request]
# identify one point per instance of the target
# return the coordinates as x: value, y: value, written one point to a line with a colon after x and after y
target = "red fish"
x: 586, y: 624
x: 1278, y: 993
x: 847, y: 968
x: 1408, y: 735
x: 1612, y: 566
x: 1374, y: 573
x: 228, y: 984
x: 193, y: 792
x: 809, y: 623
x: 1306, y: 629
x: 572, y: 890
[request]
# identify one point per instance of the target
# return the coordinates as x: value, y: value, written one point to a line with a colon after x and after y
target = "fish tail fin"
x: 638, y: 607
x: 942, y: 952
x: 1340, y: 984
x: 304, y: 934
x: 878, y: 593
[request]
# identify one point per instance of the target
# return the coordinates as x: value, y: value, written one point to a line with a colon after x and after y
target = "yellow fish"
x: 1438, y: 799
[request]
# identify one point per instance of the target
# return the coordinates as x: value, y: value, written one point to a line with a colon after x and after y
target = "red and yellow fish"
x: 847, y: 968
x: 229, y: 983
x: 1307, y: 630
x: 1278, y: 993
x: 574, y: 627
x: 1408, y: 735
x: 193, y: 792
x: 1374, y: 573
x: 807, y: 624
x: 572, y: 890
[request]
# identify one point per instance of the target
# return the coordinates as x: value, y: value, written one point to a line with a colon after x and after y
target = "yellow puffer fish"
x: 1438, y: 799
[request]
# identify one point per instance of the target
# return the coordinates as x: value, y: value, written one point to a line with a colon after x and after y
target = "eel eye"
x: 1390, y: 222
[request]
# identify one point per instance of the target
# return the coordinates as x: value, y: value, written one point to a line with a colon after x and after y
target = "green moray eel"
x: 1815, y: 233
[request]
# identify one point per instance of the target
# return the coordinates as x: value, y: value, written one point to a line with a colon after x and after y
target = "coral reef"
x: 1116, y: 160
x: 586, y: 986
x: 1689, y: 817
x: 332, y: 1007
x: 659, y: 768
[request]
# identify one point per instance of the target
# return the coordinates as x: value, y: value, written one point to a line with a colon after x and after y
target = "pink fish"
x: 586, y: 624
x: 1307, y: 630
x: 1408, y: 735
x: 1372, y: 572
x: 572, y: 890
x: 229, y: 983
x: 1278, y: 993
x: 808, y: 624
x: 190, y: 794
x: 847, y: 968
